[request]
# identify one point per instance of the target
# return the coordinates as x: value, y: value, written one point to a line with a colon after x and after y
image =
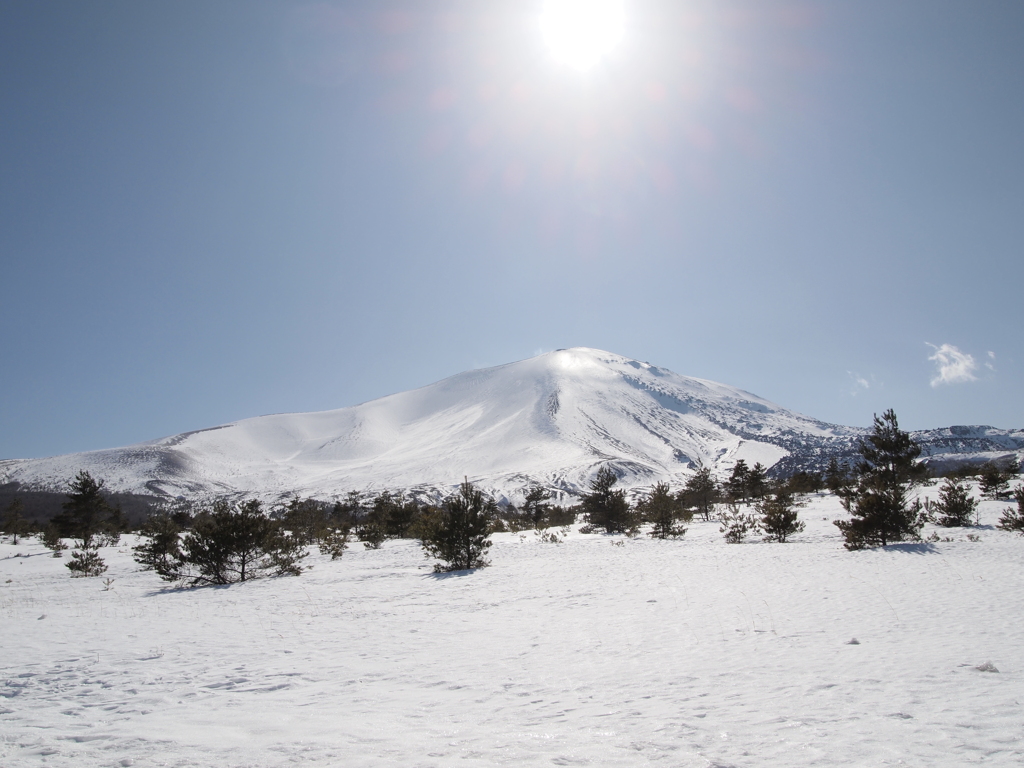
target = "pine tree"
x: 607, y: 508
x: 86, y: 514
x: 996, y: 478
x: 52, y: 540
x: 839, y: 482
x: 881, y: 512
x: 701, y: 491
x: 160, y: 549
x: 457, y: 533
x: 401, y: 514
x: 233, y: 543
x: 536, y: 508
x: 664, y: 511
x: 86, y: 562
x: 14, y: 524
x: 348, y: 513
x: 1013, y: 519
x: 803, y: 482
x: 180, y: 510
x: 779, y: 517
x: 335, y: 543
x: 835, y: 476
x: 736, y: 525
x: 757, y: 482
x: 373, y: 529
x: 737, y: 487
x: 307, y: 519
x: 956, y: 506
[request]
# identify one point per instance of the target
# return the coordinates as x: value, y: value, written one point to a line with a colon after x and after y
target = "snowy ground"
x: 602, y: 651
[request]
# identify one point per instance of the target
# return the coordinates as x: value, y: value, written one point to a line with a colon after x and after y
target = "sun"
x: 580, y: 32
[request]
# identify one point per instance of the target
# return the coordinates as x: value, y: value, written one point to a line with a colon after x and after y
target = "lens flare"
x: 580, y: 32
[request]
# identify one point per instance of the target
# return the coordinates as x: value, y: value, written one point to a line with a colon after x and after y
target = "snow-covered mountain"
x: 553, y: 419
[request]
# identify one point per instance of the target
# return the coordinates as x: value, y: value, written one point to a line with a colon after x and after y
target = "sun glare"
x: 580, y: 32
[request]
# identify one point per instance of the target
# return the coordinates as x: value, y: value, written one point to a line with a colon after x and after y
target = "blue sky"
x: 210, y: 211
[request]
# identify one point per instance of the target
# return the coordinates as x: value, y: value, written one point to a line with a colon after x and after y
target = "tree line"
x: 222, y: 542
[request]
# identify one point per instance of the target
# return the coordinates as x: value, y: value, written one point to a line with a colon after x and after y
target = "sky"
x: 211, y: 211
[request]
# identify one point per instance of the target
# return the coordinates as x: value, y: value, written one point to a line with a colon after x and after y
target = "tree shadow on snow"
x: 916, y: 548
x: 449, y: 574
x: 173, y: 588
x: 26, y: 555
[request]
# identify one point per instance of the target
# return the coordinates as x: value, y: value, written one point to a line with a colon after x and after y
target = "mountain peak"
x: 553, y: 419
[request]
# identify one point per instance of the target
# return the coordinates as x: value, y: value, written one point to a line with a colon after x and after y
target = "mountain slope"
x: 552, y: 419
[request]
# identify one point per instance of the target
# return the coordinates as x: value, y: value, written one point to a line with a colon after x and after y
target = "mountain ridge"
x: 553, y: 419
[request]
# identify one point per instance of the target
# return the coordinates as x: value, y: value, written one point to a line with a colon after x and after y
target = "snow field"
x: 602, y: 651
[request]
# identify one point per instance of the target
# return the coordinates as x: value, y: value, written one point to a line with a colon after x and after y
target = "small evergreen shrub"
x: 334, y: 543
x: 228, y: 544
x: 804, y: 482
x: 561, y: 517
x: 665, y: 512
x: 160, y: 548
x: 996, y: 477
x: 551, y: 537
x: 52, y: 540
x: 372, y: 532
x: 779, y: 518
x: 386, y: 517
x: 737, y: 524
x: 510, y: 519
x: 955, y: 506
x: 85, y: 562
x: 1013, y: 519
x: 457, y: 533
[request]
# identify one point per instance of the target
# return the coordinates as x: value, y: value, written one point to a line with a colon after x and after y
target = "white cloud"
x: 991, y: 365
x: 953, y: 366
x: 859, y: 383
